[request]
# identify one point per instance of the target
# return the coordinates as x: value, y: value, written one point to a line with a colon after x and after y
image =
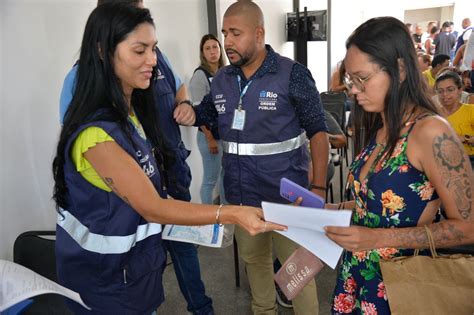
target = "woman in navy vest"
x: 208, y: 140
x: 108, y: 173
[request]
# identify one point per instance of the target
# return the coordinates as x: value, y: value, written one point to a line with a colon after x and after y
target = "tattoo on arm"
x: 445, y: 234
x: 110, y: 183
x: 414, y: 238
x: 449, y: 155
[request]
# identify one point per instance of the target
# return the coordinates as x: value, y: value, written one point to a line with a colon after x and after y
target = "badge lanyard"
x: 238, y: 122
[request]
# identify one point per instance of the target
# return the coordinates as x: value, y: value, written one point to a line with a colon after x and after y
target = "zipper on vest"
x: 124, y: 275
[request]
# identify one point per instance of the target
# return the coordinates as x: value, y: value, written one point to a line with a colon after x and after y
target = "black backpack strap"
x: 207, y: 73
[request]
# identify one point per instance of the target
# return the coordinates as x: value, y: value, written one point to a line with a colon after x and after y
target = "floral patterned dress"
x: 393, y: 194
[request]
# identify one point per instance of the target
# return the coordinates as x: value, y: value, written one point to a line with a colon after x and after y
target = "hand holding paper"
x: 306, y: 227
x: 353, y: 238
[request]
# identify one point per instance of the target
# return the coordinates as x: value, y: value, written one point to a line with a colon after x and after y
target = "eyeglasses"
x: 358, y: 82
x: 448, y: 90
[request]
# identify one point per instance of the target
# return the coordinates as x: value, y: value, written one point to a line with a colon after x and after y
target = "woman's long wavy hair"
x: 98, y: 94
x: 204, y: 62
x: 387, y: 42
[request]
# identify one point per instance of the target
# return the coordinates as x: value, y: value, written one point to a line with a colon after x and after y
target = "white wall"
x: 40, y: 39
x: 348, y: 15
x: 421, y: 17
x: 39, y: 42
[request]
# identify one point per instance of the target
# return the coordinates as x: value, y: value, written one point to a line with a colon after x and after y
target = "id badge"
x: 238, y: 122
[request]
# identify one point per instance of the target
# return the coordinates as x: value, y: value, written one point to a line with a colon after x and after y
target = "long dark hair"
x: 98, y: 93
x: 204, y: 62
x: 387, y: 41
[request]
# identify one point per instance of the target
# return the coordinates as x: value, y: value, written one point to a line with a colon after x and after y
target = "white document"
x: 18, y: 283
x: 306, y: 227
x: 206, y: 235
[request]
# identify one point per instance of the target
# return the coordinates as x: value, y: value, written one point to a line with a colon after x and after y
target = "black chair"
x: 334, y: 103
x: 334, y: 161
x: 35, y: 250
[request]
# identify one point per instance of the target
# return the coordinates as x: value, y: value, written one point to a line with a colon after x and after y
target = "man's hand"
x: 184, y: 114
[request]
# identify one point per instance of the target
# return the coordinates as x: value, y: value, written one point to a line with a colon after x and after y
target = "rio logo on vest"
x: 267, y: 100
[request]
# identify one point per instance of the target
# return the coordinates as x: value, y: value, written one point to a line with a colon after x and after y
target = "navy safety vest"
x: 179, y: 174
x: 105, y: 250
x: 272, y: 144
x: 460, y: 40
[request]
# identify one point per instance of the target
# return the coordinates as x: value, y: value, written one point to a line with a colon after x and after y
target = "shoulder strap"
x: 209, y: 76
x: 412, y: 123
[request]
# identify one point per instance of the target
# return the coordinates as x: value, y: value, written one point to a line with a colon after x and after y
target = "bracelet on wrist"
x: 185, y: 102
x: 313, y: 186
x: 218, y: 214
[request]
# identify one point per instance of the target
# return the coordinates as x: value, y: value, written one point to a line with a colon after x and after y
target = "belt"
x: 264, y: 148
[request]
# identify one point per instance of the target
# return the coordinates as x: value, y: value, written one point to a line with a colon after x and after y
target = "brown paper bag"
x: 297, y: 271
x: 441, y: 284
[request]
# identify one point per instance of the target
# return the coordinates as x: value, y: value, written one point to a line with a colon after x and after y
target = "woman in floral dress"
x: 409, y: 162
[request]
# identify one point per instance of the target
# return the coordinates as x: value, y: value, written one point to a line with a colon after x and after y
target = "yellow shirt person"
x: 462, y: 122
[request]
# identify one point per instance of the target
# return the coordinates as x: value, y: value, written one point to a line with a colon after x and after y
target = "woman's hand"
x: 212, y: 145
x: 353, y: 238
x: 298, y: 201
x: 184, y: 114
x: 252, y: 220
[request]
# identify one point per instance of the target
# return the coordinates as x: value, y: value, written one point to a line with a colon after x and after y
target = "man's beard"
x: 239, y: 63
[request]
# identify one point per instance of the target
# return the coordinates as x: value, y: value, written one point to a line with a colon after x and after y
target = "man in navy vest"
x: 266, y: 107
x: 464, y: 37
x: 170, y: 93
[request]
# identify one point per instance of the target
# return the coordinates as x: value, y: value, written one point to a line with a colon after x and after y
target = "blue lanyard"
x: 242, y: 92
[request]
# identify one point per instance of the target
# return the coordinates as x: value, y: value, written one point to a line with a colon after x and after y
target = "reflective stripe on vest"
x: 100, y: 243
x: 264, y: 148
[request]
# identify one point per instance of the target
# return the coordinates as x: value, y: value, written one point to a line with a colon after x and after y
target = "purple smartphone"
x: 291, y: 191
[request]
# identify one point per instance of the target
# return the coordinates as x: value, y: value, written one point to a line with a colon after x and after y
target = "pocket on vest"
x: 272, y: 168
x: 142, y: 277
